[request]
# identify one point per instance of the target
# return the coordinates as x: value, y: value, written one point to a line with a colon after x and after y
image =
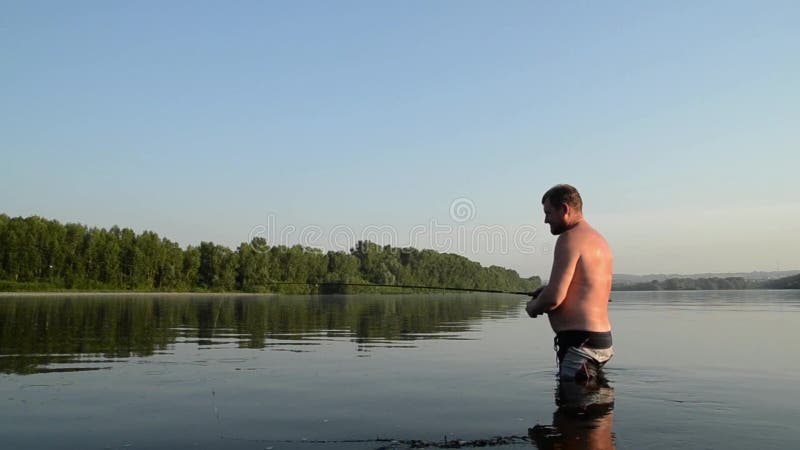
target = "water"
x: 705, y: 369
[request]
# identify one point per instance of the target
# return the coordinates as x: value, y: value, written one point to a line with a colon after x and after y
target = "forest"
x: 38, y: 254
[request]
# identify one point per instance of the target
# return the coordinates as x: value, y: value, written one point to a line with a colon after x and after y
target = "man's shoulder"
x: 587, y: 230
x: 580, y: 235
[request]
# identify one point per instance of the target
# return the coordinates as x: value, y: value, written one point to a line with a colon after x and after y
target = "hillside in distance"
x: 622, y: 278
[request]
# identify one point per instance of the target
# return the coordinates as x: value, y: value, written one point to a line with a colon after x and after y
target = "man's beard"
x: 557, y: 229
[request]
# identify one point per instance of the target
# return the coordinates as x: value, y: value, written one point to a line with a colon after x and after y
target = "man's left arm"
x: 565, y: 260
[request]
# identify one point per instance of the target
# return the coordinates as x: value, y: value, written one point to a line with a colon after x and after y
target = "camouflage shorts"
x: 583, y: 363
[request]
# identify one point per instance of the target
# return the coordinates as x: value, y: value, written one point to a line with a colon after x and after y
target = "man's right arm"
x: 565, y: 261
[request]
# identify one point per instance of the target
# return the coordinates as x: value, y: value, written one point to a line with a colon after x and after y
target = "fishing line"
x: 401, y: 286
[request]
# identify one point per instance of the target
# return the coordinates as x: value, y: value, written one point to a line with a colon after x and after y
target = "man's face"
x: 555, y: 217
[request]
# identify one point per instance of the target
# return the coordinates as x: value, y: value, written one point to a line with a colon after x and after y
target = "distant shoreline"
x: 131, y: 293
x: 7, y: 294
x: 202, y: 294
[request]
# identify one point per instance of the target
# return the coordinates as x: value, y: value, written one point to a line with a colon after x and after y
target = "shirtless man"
x: 576, y: 298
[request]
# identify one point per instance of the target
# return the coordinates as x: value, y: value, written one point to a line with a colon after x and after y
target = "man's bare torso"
x: 586, y: 304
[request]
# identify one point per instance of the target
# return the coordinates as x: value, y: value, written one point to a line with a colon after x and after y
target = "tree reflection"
x: 36, y: 332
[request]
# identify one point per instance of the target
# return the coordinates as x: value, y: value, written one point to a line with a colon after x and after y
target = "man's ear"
x: 566, y: 209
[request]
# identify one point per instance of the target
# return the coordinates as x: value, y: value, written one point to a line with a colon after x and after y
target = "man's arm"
x: 565, y: 260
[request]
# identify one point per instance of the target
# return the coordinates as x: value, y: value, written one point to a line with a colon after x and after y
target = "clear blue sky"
x: 678, y: 121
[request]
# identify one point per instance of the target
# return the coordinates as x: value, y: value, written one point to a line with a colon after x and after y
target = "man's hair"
x: 564, y: 194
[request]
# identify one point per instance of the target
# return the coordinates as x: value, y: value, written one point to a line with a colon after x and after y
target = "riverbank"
x: 131, y: 294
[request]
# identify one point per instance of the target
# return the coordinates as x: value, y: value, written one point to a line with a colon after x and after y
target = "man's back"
x: 586, y: 304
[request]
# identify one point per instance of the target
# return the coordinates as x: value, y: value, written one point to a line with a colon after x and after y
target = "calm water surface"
x: 705, y: 369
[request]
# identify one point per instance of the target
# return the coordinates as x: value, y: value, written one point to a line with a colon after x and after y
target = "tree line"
x: 790, y: 282
x: 687, y: 284
x: 41, y: 254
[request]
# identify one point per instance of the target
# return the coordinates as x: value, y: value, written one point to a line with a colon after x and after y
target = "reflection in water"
x: 582, y: 420
x: 54, y: 334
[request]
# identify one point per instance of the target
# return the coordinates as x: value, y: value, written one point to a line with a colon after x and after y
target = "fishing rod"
x: 406, y: 286
x: 402, y: 286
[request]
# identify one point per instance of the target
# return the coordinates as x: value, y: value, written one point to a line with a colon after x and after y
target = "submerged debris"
x: 490, y: 442
x: 389, y: 443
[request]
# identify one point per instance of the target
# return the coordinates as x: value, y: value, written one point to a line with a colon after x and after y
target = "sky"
x: 433, y: 124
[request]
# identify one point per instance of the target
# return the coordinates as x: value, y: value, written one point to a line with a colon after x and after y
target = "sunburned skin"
x: 577, y: 295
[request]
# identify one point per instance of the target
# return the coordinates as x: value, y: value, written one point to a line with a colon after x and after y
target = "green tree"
x: 253, y: 270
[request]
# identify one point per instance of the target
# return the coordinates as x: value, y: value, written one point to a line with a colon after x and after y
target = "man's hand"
x: 529, y: 306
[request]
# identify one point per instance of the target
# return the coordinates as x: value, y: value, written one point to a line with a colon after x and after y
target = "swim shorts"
x: 582, y: 354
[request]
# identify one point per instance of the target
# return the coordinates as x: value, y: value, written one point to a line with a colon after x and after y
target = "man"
x: 576, y: 297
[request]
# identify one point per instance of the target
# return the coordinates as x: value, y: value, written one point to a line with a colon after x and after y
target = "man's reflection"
x: 582, y: 419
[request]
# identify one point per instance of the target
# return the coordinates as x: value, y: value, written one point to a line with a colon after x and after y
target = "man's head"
x: 563, y: 208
